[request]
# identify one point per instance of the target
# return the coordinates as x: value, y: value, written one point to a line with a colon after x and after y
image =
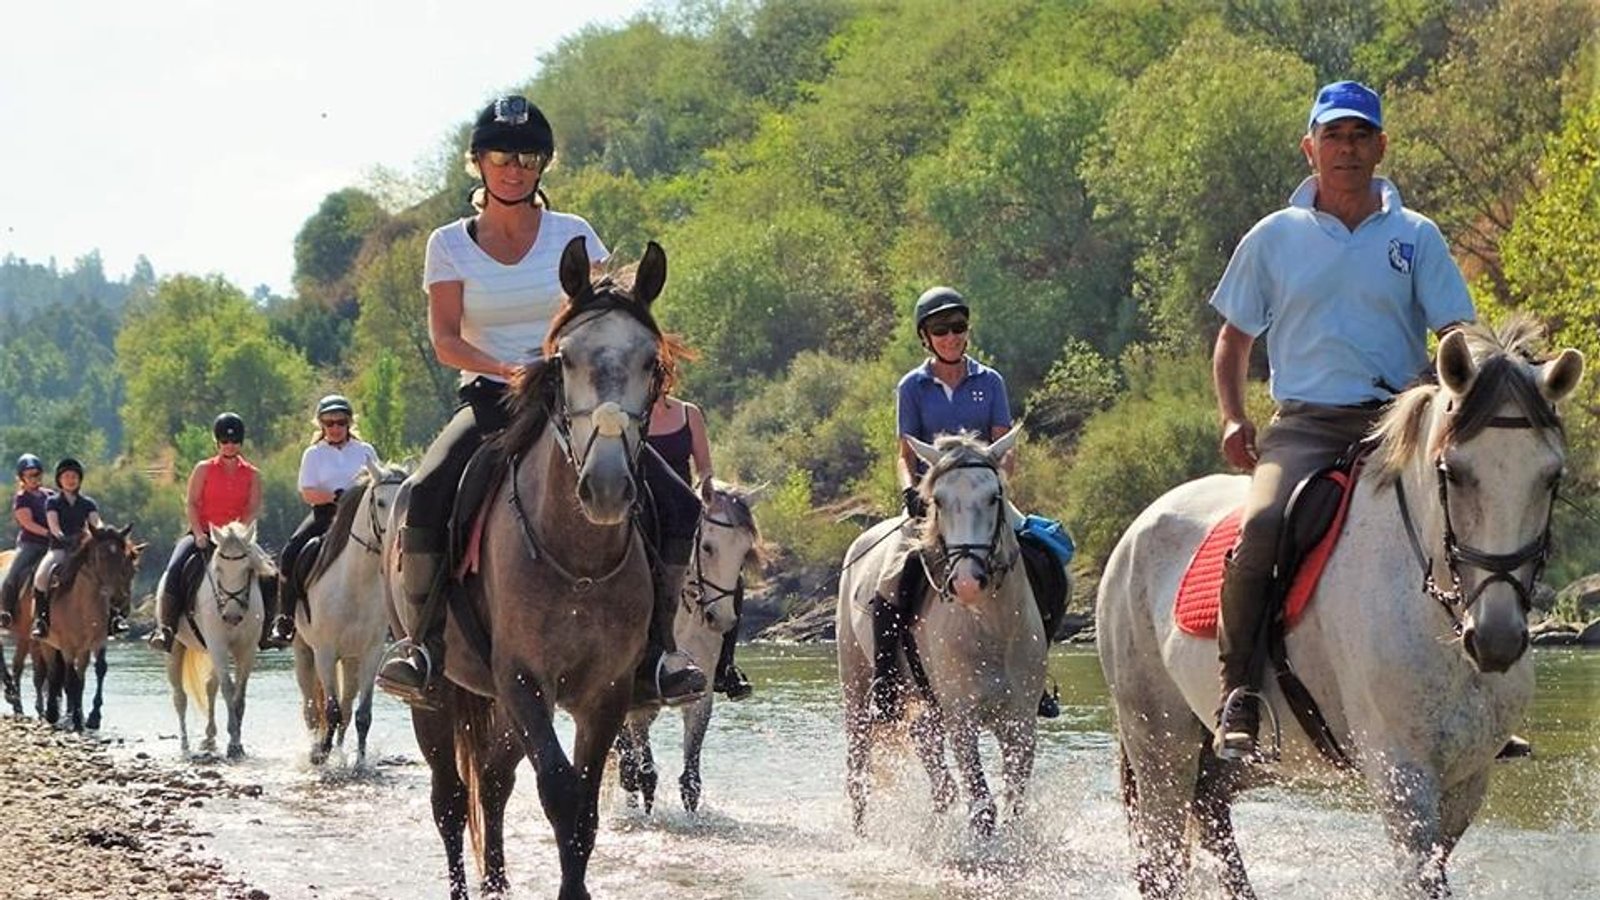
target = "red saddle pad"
x: 1200, y: 592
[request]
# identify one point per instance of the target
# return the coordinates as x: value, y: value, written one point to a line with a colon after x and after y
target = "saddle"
x: 479, y: 485
x: 1312, y: 524
x: 1047, y: 575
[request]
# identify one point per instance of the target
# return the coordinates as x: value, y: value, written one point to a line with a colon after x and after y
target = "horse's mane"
x: 530, y: 396
x: 344, y: 516
x: 1504, y: 359
x: 955, y: 450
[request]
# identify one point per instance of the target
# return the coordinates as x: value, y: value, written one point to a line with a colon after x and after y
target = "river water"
x: 775, y: 821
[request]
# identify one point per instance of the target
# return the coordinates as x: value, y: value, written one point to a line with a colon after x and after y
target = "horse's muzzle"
x: 606, y: 499
x: 1495, y: 650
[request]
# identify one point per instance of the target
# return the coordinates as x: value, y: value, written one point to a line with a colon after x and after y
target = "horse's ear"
x: 216, y: 534
x: 250, y: 534
x: 925, y: 452
x: 1456, y: 368
x: 708, y: 491
x: 575, y: 268
x: 652, y: 274
x: 752, y: 496
x: 126, y: 530
x: 373, y: 472
x: 1559, y: 376
x: 999, y: 449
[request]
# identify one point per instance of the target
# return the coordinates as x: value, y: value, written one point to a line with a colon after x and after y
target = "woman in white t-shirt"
x: 327, y: 469
x: 493, y: 283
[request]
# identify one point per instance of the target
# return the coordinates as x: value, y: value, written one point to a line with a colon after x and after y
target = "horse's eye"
x: 708, y: 548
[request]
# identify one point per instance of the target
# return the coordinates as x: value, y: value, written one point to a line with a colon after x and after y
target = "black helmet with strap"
x: 513, y: 124
x: 68, y: 464
x: 228, y: 427
x: 936, y: 300
x: 28, y: 462
x: 334, y: 403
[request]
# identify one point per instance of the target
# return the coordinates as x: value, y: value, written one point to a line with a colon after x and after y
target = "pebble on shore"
x: 80, y: 825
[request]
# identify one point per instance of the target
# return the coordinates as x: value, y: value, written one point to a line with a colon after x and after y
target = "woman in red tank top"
x: 225, y: 488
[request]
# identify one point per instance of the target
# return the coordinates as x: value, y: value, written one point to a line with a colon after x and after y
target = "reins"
x: 949, y: 555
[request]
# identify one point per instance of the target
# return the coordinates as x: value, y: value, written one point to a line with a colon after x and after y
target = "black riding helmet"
x: 68, y: 464
x: 334, y: 403
x: 513, y: 124
x: 28, y: 461
x: 936, y: 300
x: 228, y: 427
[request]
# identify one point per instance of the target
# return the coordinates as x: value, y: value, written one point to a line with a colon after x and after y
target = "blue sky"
x: 202, y: 133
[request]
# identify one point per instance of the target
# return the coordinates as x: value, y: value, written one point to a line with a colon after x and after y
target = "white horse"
x: 1420, y: 684
x: 227, y: 612
x: 978, y: 632
x: 340, y: 629
x: 726, y: 543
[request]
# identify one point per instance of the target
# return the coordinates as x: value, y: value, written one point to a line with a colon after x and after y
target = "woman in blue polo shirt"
x: 949, y: 392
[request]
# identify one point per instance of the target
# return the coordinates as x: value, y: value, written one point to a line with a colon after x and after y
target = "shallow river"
x: 774, y: 823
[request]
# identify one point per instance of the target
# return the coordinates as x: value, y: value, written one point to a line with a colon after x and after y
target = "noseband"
x: 949, y: 555
x: 1500, y: 566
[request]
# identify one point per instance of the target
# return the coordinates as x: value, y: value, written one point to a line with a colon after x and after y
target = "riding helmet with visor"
x: 68, y: 464
x: 228, y: 428
x: 334, y: 403
x: 27, y: 462
x: 936, y: 300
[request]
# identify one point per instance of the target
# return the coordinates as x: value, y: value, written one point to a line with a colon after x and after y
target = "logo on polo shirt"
x: 977, y: 395
x: 1400, y: 255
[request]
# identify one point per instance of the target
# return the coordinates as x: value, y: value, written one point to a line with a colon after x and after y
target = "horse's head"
x: 967, y: 530
x: 604, y: 353
x: 1494, y: 452
x: 382, y: 485
x: 111, y: 558
x: 235, y: 563
x: 727, y: 542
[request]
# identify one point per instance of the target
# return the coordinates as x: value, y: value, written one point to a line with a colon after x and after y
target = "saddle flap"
x: 1048, y: 578
x: 194, y: 572
x: 306, y: 563
x: 483, y: 472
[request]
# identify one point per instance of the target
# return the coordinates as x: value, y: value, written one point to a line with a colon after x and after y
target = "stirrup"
x: 40, y: 629
x: 1236, y: 697
x: 686, y: 698
x: 5, y: 619
x: 416, y: 696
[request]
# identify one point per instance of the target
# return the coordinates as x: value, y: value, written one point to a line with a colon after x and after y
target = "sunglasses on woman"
x: 335, y: 423
x: 944, y: 328
x: 534, y: 161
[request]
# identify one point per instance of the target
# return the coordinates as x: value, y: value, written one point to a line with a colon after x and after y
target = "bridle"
x: 223, y: 596
x: 373, y: 522
x: 610, y: 417
x: 949, y: 555
x: 700, y: 593
x: 1500, y: 566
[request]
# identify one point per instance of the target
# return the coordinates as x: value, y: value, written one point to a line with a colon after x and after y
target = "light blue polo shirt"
x: 1346, y: 313
x: 925, y: 409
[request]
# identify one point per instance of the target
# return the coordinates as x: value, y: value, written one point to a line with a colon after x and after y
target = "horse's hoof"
x: 235, y: 752
x: 93, y: 722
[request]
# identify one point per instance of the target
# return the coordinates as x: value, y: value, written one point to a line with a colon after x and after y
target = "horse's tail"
x: 472, y: 714
x: 196, y: 672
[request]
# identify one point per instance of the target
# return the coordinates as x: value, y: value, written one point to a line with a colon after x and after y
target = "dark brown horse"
x: 560, y: 613
x: 102, y: 570
x: 26, y: 646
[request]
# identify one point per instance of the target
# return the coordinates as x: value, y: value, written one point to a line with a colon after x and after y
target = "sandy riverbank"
x: 79, y: 825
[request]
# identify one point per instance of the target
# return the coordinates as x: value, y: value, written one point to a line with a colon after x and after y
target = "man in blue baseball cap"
x: 1345, y: 282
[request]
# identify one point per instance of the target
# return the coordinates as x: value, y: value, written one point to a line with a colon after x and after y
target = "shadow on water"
x: 774, y: 821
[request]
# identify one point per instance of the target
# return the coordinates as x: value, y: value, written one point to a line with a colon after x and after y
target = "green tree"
x: 1201, y: 146
x: 394, y: 320
x: 1466, y: 143
x: 197, y: 347
x: 383, y: 404
x: 325, y: 249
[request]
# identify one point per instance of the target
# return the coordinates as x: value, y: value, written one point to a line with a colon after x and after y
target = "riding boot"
x: 409, y: 677
x: 170, y: 609
x: 41, y: 613
x: 282, y: 631
x: 666, y: 673
x: 729, y: 679
x: 271, y: 612
x: 888, y: 696
x: 1245, y: 596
